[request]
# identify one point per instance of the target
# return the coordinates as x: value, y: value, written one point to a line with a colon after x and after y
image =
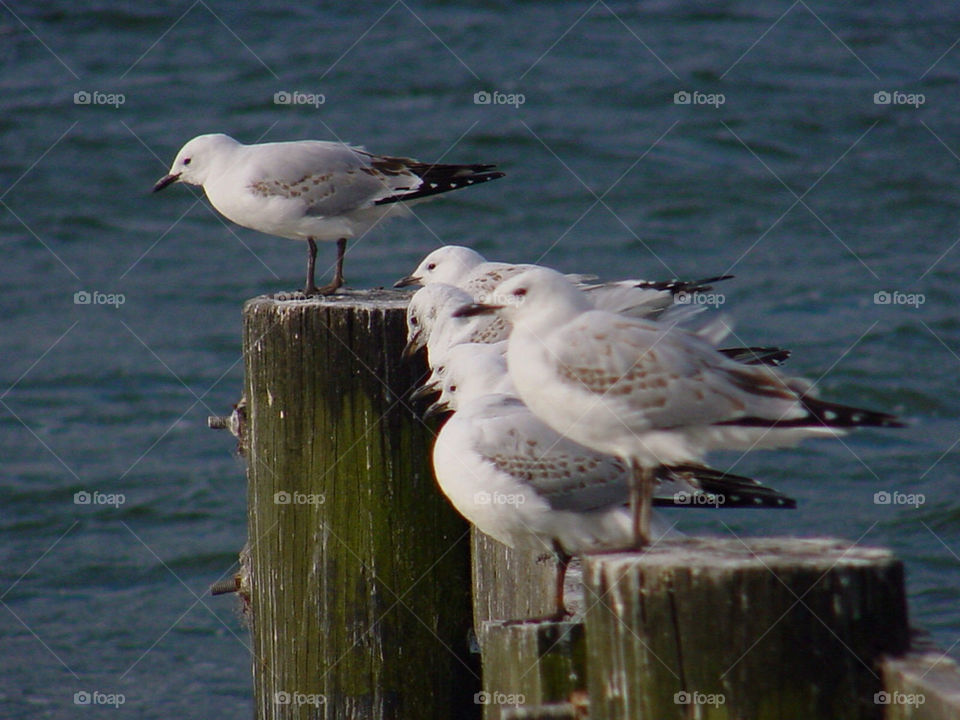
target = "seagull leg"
x: 310, y: 288
x: 646, y: 502
x: 563, y: 562
x: 337, y: 281
x: 641, y: 498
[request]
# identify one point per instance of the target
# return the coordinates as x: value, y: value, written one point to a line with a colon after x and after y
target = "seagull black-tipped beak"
x: 407, y: 281
x: 425, y: 390
x: 412, y: 347
x: 475, y: 309
x: 166, y: 180
x: 438, y: 408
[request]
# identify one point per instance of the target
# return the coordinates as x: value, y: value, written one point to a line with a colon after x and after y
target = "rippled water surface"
x: 814, y: 194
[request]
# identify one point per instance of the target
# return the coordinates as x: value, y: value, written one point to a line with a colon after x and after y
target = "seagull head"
x: 539, y: 298
x: 447, y: 264
x: 429, y: 310
x: 195, y: 159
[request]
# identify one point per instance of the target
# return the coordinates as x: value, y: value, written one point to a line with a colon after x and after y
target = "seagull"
x: 648, y: 393
x: 431, y: 324
x: 525, y: 485
x: 311, y: 189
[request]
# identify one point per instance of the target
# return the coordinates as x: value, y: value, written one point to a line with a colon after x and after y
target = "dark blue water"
x: 814, y: 195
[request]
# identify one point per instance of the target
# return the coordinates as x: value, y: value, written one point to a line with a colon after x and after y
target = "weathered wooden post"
x: 761, y: 629
x: 359, y: 574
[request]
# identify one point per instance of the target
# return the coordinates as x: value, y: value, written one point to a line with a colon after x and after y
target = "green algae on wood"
x: 360, y: 576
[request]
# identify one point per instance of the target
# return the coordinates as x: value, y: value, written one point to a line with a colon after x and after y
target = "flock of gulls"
x: 577, y: 405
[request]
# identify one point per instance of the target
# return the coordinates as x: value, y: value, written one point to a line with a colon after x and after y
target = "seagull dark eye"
x: 453, y: 388
x: 186, y: 161
x: 519, y: 292
x: 414, y: 321
x: 432, y: 266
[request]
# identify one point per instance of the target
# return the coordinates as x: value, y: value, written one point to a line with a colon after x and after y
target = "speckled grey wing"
x: 329, y: 179
x: 483, y: 279
x: 663, y: 377
x: 567, y: 475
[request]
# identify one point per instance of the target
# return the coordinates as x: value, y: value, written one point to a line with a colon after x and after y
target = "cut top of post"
x: 724, y: 554
x: 376, y: 299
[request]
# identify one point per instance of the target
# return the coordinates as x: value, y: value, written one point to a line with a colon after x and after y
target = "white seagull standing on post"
x: 312, y: 190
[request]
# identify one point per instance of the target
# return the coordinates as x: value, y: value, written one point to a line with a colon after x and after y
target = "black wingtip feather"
x: 683, y: 286
x: 720, y: 489
x: 435, y: 182
x: 773, y: 356
x: 821, y: 413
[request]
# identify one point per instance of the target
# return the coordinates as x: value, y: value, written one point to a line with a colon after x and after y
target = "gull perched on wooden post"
x: 311, y: 189
x: 645, y: 392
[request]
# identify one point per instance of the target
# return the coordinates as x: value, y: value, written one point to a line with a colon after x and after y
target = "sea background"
x: 803, y: 183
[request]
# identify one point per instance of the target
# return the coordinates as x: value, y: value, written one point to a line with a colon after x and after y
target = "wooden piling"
x: 510, y: 584
x: 359, y: 569
x: 922, y: 685
x: 536, y: 663
x: 757, y: 629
